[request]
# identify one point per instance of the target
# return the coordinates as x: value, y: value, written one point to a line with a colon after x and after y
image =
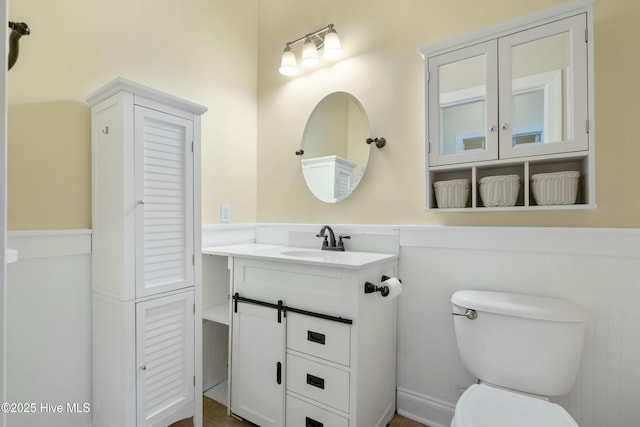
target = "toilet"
x: 523, y: 349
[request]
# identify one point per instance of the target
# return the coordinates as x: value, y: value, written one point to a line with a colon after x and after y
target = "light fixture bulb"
x: 332, y: 48
x: 310, y: 53
x: 288, y: 66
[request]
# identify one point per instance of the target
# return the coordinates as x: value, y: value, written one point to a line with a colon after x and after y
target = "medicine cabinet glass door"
x: 462, y: 105
x: 543, y: 81
x: 522, y: 94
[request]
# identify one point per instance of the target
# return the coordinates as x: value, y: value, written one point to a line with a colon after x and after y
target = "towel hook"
x: 18, y: 29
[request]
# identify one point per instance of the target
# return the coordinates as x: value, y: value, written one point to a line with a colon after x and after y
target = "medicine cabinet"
x: 516, y: 98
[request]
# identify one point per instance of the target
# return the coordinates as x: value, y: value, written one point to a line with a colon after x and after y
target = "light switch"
x: 225, y: 213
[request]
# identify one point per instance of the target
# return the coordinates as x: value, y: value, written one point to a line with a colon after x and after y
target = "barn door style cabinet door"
x: 146, y: 273
x: 257, y: 365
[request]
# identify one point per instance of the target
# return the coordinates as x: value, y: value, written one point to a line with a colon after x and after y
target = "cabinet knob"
x: 140, y: 202
x: 492, y: 128
x: 504, y: 126
x: 143, y: 367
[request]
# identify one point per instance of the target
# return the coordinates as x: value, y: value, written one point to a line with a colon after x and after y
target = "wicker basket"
x: 499, y: 190
x: 557, y: 188
x: 452, y: 194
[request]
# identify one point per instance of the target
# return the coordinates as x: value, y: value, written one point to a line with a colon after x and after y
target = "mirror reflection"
x: 463, y: 88
x: 537, y: 69
x: 541, y: 109
x: 335, y: 152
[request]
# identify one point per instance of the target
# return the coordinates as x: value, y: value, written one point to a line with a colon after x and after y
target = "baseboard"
x: 424, y: 409
x: 387, y: 416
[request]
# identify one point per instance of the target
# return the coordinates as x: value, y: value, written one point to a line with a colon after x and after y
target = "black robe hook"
x: 18, y: 29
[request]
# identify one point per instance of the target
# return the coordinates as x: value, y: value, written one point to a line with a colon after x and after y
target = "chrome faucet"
x: 329, y: 242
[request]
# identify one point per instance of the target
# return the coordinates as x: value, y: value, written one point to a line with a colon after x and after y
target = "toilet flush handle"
x: 469, y: 314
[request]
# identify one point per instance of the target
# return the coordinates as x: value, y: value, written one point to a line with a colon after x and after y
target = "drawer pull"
x: 314, y: 381
x: 316, y: 337
x: 310, y: 422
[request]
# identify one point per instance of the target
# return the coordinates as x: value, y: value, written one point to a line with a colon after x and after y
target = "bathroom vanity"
x: 308, y: 346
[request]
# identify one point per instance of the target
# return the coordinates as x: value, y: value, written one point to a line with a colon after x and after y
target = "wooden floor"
x: 215, y: 415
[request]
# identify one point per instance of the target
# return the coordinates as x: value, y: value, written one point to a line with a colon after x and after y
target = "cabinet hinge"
x: 193, y: 259
x: 428, y: 76
x: 194, y: 380
x: 587, y: 125
x: 586, y: 35
x: 429, y: 147
x: 194, y: 308
x: 192, y: 143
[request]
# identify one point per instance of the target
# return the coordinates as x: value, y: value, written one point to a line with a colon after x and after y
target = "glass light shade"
x: 332, y: 48
x: 310, y: 54
x: 288, y: 66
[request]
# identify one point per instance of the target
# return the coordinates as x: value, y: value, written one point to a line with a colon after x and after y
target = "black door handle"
x: 279, y: 373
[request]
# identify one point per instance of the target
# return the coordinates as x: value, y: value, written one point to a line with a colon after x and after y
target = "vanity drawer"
x: 318, y: 381
x: 321, y: 338
x: 303, y: 414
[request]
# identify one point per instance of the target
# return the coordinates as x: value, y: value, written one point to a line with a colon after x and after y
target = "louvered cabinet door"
x: 165, y: 357
x: 164, y: 202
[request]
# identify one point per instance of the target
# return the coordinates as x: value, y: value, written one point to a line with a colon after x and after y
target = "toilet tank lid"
x: 519, y: 305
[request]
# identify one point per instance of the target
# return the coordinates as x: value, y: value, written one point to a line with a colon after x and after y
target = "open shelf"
x: 525, y: 168
x: 216, y: 321
x: 219, y: 314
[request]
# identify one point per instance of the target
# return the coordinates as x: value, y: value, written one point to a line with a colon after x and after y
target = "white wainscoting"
x: 597, y: 268
x: 228, y: 234
x: 49, y: 328
x: 49, y: 314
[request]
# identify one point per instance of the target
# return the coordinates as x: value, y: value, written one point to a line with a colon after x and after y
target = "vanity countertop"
x: 346, y: 259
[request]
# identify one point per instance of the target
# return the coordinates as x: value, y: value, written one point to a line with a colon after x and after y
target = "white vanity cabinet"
x: 515, y: 99
x: 145, y: 256
x: 309, y: 347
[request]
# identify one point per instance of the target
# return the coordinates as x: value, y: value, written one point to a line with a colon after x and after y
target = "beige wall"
x: 219, y: 53
x: 201, y: 50
x: 383, y: 69
x: 49, y: 171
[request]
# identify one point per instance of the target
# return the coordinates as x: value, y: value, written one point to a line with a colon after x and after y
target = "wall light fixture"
x: 325, y: 38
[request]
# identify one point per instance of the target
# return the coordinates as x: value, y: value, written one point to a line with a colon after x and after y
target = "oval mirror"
x: 335, y: 152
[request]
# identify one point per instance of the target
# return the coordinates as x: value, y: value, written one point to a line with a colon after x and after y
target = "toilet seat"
x: 484, y: 406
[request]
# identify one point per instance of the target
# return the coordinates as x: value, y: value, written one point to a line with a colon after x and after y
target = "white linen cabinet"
x: 146, y: 256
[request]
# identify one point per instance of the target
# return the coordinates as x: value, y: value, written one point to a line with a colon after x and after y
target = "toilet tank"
x: 527, y: 343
